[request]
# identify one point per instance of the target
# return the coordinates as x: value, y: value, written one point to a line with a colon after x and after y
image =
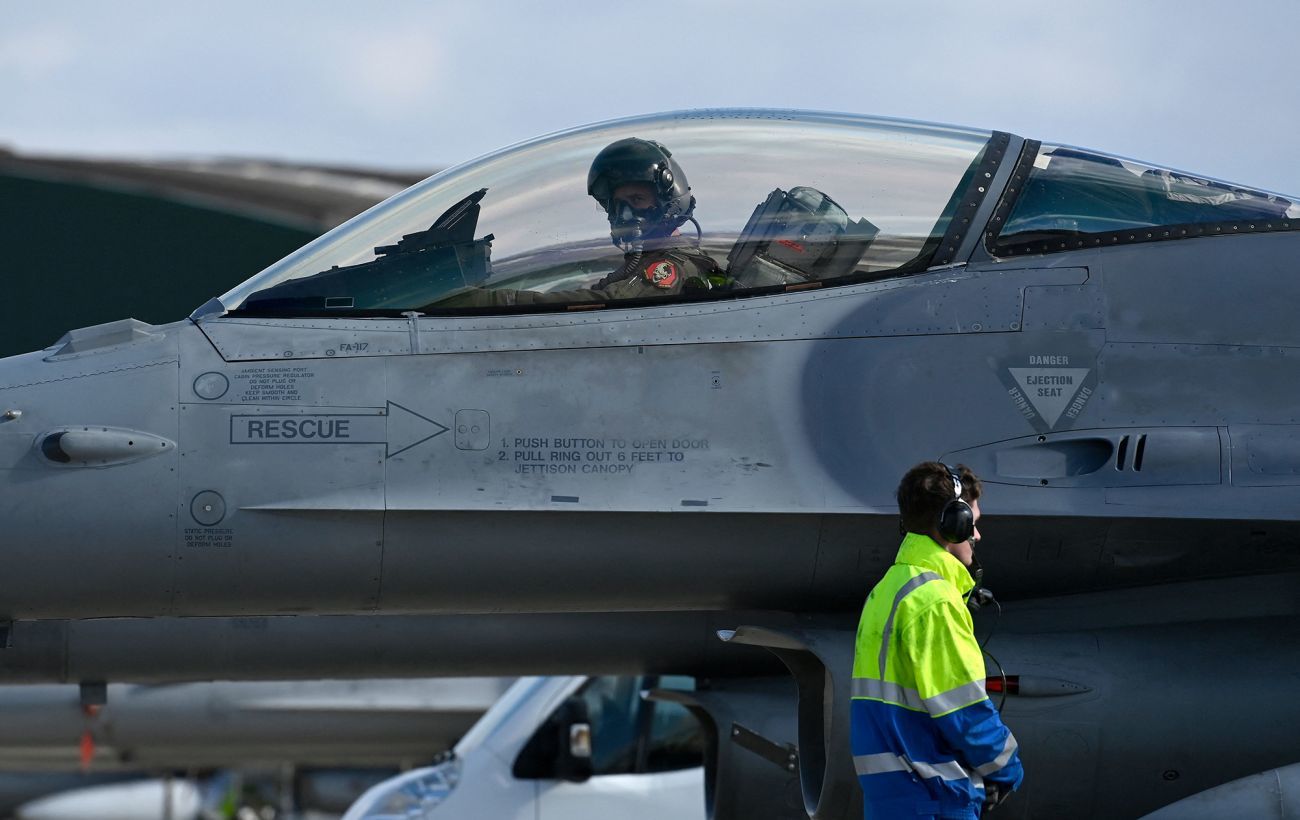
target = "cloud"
x: 34, y: 54
x: 1199, y: 84
x: 389, y: 74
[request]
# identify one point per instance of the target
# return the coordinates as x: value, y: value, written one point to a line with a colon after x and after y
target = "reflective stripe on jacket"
x: 923, y: 728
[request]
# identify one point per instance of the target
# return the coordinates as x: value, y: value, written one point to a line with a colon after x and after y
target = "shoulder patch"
x: 661, y: 273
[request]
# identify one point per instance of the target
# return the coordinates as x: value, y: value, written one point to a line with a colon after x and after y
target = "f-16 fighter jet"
x: 679, y: 362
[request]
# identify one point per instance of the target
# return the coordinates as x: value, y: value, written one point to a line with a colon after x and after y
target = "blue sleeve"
x: 949, y: 668
x: 980, y: 738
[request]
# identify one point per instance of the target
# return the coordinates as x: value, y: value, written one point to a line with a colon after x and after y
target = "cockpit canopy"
x: 776, y: 200
x: 789, y: 197
x: 1073, y: 198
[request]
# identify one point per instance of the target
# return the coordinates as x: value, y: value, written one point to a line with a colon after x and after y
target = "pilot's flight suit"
x: 925, y: 736
x: 661, y: 272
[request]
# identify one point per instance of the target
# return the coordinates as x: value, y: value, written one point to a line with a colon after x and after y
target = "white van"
x: 560, y: 748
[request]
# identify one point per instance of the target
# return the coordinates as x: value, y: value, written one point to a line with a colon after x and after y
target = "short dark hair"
x: 926, y: 489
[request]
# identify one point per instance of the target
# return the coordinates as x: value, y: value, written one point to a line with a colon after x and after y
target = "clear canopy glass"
x: 1072, y: 192
x: 866, y: 196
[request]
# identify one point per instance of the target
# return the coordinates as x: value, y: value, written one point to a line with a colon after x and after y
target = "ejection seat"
x: 797, y: 236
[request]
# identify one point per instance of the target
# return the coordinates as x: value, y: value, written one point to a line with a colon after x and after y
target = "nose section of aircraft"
x: 88, y: 473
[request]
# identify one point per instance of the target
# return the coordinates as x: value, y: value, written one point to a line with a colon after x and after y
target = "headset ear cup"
x: 956, y: 522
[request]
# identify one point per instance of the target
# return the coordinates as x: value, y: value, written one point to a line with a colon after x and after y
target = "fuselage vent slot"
x: 1141, y: 450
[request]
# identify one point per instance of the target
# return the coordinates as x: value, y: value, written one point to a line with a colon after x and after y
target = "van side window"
x: 633, y: 735
x: 614, y: 707
x: 675, y: 739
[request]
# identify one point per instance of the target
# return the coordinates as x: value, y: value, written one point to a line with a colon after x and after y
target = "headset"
x: 957, y: 520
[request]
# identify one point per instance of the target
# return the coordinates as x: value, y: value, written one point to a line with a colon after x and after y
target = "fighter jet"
x: 195, y: 726
x: 366, y: 729
x: 501, y: 391
x: 168, y: 650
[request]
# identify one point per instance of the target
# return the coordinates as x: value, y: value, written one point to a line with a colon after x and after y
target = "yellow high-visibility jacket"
x: 924, y: 732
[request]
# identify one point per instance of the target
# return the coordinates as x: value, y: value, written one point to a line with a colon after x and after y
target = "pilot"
x: 644, y: 194
x: 926, y: 740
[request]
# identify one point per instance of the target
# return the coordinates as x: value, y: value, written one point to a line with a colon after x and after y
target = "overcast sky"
x: 1203, y: 85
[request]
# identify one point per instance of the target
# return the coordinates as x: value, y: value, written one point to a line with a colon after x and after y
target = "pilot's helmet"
x: 638, y: 160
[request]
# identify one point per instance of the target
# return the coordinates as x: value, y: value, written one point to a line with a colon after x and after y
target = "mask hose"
x: 627, y: 271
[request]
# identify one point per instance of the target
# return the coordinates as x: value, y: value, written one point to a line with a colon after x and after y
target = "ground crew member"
x: 927, y: 742
x: 646, y: 198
